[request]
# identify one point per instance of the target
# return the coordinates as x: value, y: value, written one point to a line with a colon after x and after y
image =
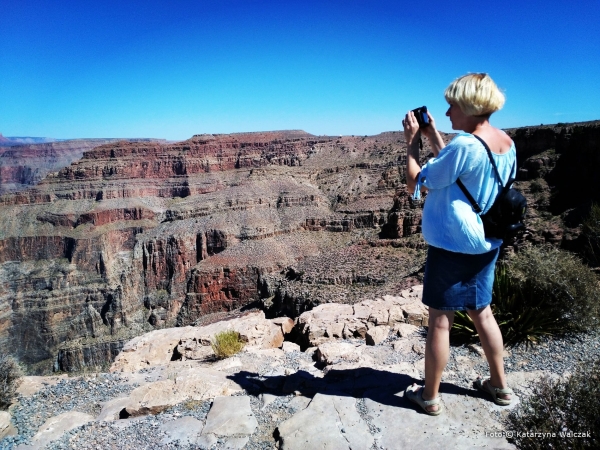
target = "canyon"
x: 138, y: 236
x: 24, y: 162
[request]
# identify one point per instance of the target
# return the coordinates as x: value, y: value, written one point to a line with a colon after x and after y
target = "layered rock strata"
x: 25, y: 164
x: 139, y: 236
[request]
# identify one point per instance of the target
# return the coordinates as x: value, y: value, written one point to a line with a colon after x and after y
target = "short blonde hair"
x: 476, y: 94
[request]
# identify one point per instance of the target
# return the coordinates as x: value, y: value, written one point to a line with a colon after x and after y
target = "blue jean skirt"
x: 457, y: 281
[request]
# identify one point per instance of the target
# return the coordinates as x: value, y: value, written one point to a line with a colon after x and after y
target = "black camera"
x: 422, y: 117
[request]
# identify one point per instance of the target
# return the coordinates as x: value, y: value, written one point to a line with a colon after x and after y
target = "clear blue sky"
x: 171, y: 69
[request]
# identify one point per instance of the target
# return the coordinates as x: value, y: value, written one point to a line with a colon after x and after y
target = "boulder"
x: 189, y: 343
x: 230, y: 416
x: 377, y: 335
x: 335, y: 352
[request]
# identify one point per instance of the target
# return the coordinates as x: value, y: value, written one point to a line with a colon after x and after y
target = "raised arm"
x: 431, y: 132
x: 412, y: 135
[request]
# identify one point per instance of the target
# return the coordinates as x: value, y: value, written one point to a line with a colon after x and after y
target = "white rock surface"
x: 157, y: 347
x: 55, y: 427
x: 230, y: 416
x: 189, y: 384
x: 6, y: 428
x: 186, y: 430
x: 339, y: 426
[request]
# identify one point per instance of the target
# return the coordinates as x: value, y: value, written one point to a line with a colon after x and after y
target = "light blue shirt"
x: 449, y: 221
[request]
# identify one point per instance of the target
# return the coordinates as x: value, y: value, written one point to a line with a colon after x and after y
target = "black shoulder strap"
x: 474, y: 203
x: 489, y: 153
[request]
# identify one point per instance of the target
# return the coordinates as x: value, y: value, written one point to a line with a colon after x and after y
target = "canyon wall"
x: 141, y: 235
x: 135, y: 236
x: 24, y: 162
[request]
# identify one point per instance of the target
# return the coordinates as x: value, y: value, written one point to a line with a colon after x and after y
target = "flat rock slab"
x: 188, y: 384
x: 6, y: 428
x: 461, y: 426
x: 230, y: 416
x: 54, y: 428
x: 329, y: 422
x: 185, y: 430
x: 32, y: 384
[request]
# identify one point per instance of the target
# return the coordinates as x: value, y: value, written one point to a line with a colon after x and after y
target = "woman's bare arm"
x: 435, y: 139
x: 412, y: 134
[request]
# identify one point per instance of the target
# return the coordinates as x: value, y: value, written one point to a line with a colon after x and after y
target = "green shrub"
x: 590, y: 230
x: 227, y: 343
x: 560, y: 409
x: 10, y: 379
x: 539, y: 291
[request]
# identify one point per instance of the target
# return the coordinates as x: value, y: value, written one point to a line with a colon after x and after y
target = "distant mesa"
x: 25, y: 161
x: 12, y: 141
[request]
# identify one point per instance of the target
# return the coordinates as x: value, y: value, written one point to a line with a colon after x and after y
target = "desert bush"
x: 227, y: 343
x: 566, y: 412
x: 590, y: 231
x: 539, y: 291
x: 10, y: 379
x: 536, y: 186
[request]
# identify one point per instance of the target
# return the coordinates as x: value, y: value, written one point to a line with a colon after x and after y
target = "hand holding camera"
x: 419, y: 121
x: 422, y: 116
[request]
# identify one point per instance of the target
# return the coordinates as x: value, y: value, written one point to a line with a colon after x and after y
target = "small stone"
x: 377, y: 335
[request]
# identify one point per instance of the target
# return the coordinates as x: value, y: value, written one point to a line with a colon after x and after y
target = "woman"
x: 459, y: 272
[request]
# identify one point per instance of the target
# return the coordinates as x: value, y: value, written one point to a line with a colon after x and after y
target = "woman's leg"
x: 493, y: 345
x: 437, y: 350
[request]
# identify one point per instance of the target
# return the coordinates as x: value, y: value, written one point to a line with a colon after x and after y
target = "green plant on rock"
x: 565, y: 414
x: 10, y: 379
x: 227, y: 343
x: 540, y: 291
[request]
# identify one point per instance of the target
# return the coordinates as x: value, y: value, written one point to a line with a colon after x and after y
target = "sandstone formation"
x: 26, y: 161
x: 140, y: 236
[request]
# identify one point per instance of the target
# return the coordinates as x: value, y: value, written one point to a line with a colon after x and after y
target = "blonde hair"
x: 476, y: 94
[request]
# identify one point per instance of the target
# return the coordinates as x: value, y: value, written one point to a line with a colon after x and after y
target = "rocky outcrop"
x: 194, y: 343
x: 342, y: 393
x: 551, y: 158
x: 23, y: 164
x: 370, y: 319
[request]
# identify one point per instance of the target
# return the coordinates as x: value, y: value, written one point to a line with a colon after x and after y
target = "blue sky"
x: 172, y: 69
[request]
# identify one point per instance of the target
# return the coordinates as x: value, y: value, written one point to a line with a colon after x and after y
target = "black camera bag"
x: 507, y: 214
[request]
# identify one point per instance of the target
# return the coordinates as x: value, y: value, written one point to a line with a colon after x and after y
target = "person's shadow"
x: 380, y: 386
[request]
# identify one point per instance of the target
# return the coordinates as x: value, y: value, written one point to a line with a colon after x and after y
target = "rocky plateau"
x: 341, y: 388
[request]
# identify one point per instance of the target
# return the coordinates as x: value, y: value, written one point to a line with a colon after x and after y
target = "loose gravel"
x: 559, y: 356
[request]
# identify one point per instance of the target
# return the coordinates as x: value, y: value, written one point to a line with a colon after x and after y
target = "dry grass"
x: 563, y: 415
x: 226, y: 344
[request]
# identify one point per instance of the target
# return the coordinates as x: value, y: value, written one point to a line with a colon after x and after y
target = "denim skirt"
x: 457, y: 281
